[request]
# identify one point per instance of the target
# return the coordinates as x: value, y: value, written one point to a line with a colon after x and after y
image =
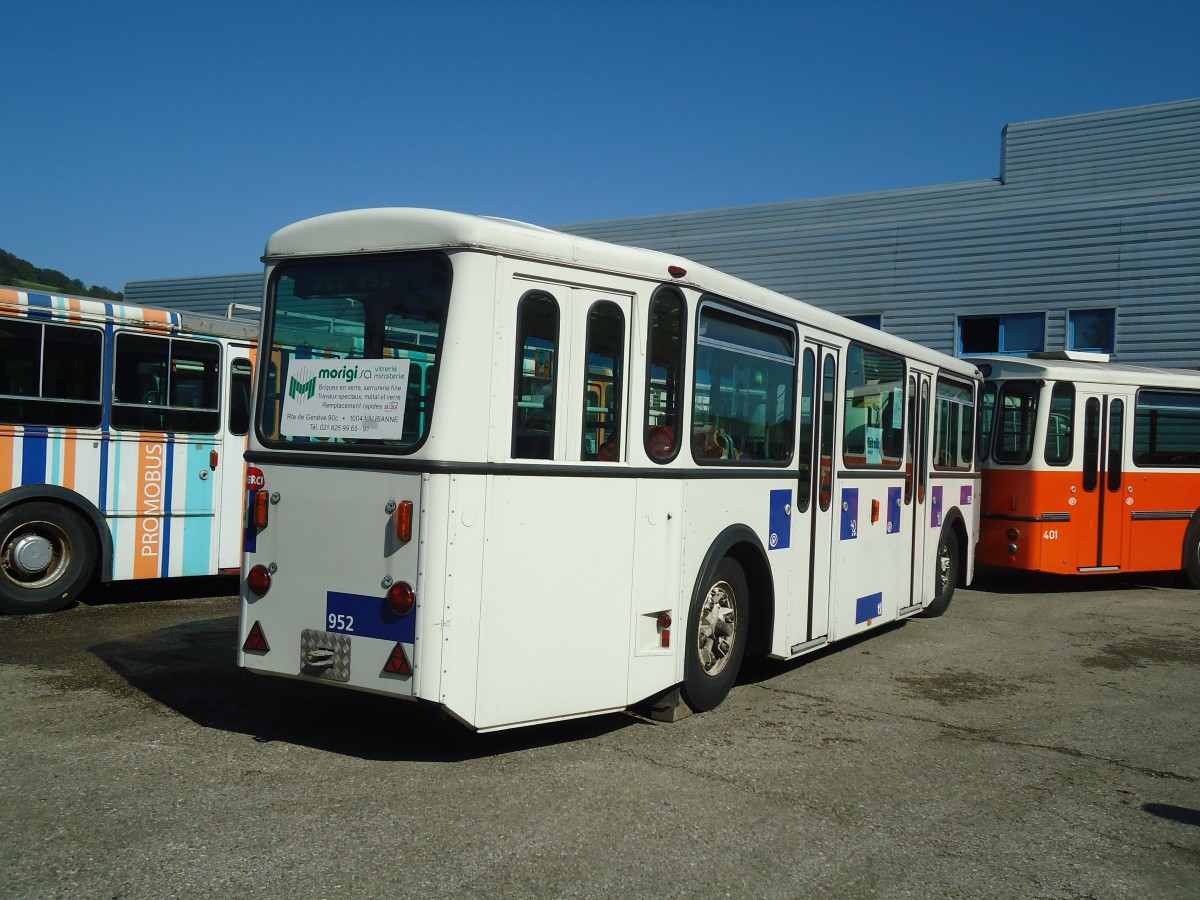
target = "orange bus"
x: 1089, y: 466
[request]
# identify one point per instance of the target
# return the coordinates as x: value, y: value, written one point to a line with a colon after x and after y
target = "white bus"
x: 529, y: 476
x: 122, y: 430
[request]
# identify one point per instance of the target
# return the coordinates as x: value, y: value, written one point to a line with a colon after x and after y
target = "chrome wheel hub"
x: 718, y: 628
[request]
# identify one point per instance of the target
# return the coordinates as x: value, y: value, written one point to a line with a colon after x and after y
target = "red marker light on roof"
x: 677, y: 271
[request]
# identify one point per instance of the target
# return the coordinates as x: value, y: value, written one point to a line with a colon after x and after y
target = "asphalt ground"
x: 1039, y: 740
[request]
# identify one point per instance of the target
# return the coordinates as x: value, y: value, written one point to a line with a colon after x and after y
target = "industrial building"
x: 1089, y: 239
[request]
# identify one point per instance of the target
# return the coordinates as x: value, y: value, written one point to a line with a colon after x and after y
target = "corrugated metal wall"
x: 211, y: 295
x: 1096, y: 211
x: 1091, y: 211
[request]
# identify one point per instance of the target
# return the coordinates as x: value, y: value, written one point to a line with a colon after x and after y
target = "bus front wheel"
x: 945, y: 572
x: 46, y: 557
x: 718, y: 625
x: 1191, y: 551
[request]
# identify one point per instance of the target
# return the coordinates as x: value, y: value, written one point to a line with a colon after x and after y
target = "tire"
x: 946, y: 572
x: 47, y: 557
x: 1191, y: 551
x: 717, y: 630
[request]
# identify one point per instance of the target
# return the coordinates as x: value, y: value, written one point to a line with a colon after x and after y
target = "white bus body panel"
x: 331, y: 561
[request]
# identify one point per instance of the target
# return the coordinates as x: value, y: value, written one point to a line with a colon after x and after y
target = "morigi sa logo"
x: 302, y: 390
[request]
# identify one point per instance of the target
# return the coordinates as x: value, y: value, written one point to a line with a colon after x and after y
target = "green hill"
x: 21, y: 273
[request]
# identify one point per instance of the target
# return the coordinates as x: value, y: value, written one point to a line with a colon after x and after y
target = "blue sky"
x: 161, y: 140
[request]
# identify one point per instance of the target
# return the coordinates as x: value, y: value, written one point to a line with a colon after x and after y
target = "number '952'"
x: 339, y: 622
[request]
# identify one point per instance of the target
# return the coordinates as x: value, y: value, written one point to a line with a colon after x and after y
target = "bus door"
x: 812, y: 573
x: 230, y: 470
x: 925, y: 517
x: 1100, y: 500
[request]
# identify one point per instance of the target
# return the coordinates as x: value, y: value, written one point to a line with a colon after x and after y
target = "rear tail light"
x: 258, y: 580
x: 664, y: 630
x: 262, y: 501
x: 401, y: 598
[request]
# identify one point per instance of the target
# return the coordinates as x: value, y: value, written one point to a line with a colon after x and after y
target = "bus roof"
x: 406, y: 228
x: 90, y: 310
x: 1084, y: 371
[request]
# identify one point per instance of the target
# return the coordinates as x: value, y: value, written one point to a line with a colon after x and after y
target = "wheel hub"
x: 718, y: 628
x: 31, y: 554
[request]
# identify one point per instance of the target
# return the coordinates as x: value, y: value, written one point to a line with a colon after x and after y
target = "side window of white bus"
x: 49, y: 374
x: 873, y: 419
x: 954, y: 425
x: 665, y: 347
x: 604, y: 383
x: 534, y: 381
x: 743, y: 392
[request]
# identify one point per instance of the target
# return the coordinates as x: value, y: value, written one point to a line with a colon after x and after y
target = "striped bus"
x: 122, y: 430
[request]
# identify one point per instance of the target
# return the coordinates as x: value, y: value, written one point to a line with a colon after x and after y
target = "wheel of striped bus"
x: 46, y: 557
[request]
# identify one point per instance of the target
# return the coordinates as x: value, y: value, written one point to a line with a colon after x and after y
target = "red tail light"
x: 258, y: 580
x: 664, y: 630
x: 401, y: 598
x: 397, y: 663
x: 256, y: 641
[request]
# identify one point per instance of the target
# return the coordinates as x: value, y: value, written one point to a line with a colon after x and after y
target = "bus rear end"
x: 332, y: 588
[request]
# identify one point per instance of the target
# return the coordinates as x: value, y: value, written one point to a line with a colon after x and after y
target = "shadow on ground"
x: 191, y: 669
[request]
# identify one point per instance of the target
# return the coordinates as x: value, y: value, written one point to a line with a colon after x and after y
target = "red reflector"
x: 256, y: 641
x: 664, y: 630
x: 258, y: 580
x: 261, y: 502
x: 212, y: 459
x: 401, y: 599
x: 677, y: 271
x: 397, y: 663
x: 404, y: 514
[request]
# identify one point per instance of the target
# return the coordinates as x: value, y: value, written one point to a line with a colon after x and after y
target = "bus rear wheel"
x: 718, y: 625
x: 1191, y: 551
x: 46, y: 557
x: 945, y: 575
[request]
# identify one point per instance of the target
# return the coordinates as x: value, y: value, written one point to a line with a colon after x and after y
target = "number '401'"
x: 1050, y: 534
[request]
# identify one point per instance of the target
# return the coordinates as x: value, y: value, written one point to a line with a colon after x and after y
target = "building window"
x: 1092, y: 329
x: 1015, y: 335
x: 875, y: 321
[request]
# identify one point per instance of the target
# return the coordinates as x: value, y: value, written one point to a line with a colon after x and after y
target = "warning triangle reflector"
x: 256, y: 640
x: 397, y: 663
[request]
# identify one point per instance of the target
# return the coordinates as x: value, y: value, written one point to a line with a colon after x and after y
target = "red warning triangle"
x: 256, y: 640
x: 397, y: 663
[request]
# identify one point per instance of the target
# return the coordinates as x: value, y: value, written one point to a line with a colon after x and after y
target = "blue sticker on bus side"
x: 781, y: 520
x: 935, y: 507
x: 365, y: 616
x: 893, y: 512
x: 868, y: 608
x: 849, y: 514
